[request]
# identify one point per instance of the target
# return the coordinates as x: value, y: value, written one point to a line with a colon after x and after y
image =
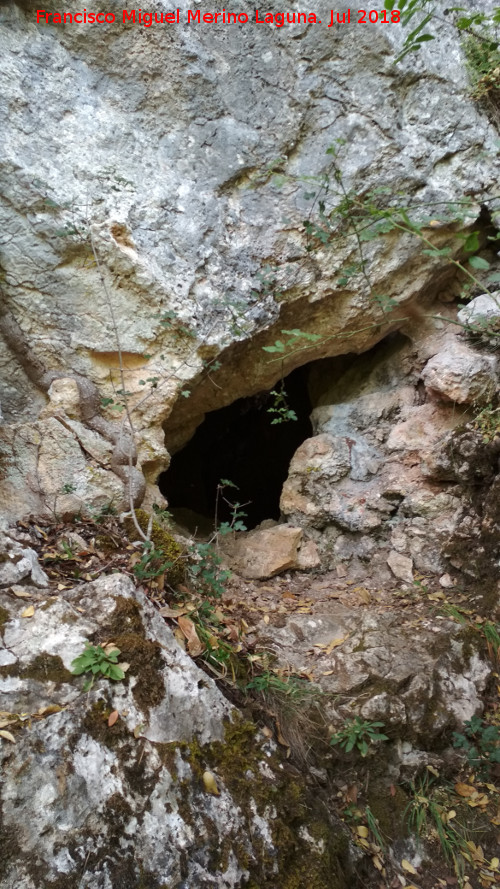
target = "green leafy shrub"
x: 205, y: 571
x: 487, y: 423
x: 481, y: 743
x: 483, y: 64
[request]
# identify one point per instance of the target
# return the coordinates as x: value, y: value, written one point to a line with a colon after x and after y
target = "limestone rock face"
x: 19, y: 563
x: 371, y: 488
x: 481, y: 311
x: 147, y: 241
x: 430, y: 678
x: 105, y: 803
x: 461, y: 375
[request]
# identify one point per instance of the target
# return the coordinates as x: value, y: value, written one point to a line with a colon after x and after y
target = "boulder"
x: 153, y: 780
x: 261, y: 554
x: 461, y: 375
x: 418, y: 677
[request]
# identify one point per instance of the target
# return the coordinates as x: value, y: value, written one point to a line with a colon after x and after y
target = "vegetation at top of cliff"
x: 422, y: 12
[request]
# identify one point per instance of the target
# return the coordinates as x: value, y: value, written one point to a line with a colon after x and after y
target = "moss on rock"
x: 43, y: 668
x: 125, y: 628
x: 164, y: 542
x: 310, y: 850
x: 4, y: 617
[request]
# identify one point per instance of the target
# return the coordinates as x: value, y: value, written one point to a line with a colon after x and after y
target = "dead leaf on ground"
x: 20, y: 592
x: 113, y: 718
x: 28, y: 612
x: 195, y: 645
x: 210, y: 783
x: 166, y: 611
x: 335, y: 643
x: 7, y: 736
x: 351, y: 793
x: 407, y: 866
x: 465, y: 789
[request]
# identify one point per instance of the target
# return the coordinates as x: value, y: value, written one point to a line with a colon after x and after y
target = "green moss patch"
x: 125, y: 628
x: 236, y: 760
x: 164, y: 542
x: 43, y: 668
x: 4, y: 617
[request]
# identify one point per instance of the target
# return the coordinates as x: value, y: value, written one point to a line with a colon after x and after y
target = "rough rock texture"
x: 265, y: 553
x: 148, y: 253
x: 461, y: 375
x: 372, y: 487
x: 19, y: 563
x: 105, y: 806
x: 159, y: 169
x: 418, y: 677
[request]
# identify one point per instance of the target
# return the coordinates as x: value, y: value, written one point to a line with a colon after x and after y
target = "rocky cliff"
x: 191, y: 212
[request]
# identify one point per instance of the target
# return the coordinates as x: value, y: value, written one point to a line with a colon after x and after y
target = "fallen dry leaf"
x: 465, y: 789
x: 7, y: 736
x: 166, y: 611
x: 28, y: 612
x: 210, y: 783
x: 180, y: 638
x: 194, y: 643
x: 20, y: 592
x: 351, y: 793
x: 335, y: 643
x: 377, y: 862
x: 407, y: 866
x: 113, y: 717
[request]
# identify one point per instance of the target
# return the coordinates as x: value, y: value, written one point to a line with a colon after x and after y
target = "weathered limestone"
x: 183, y: 214
x: 104, y: 805
x: 419, y: 678
x: 19, y: 563
x: 371, y: 487
x: 461, y: 375
x: 261, y: 554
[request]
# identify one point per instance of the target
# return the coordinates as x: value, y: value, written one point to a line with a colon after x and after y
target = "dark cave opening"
x: 239, y: 443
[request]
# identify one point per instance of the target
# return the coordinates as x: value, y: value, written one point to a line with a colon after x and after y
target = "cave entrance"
x: 239, y: 443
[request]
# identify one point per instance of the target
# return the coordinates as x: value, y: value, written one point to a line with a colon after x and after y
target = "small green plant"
x: 280, y: 407
x: 204, y: 569
x: 163, y: 515
x: 99, y: 662
x: 483, y: 63
x: 492, y: 637
x: 237, y: 512
x: 374, y: 826
x: 358, y: 733
x: 99, y: 515
x: 292, y: 687
x: 68, y: 552
x: 487, y: 423
x: 481, y: 743
x: 427, y: 816
x: 152, y: 563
